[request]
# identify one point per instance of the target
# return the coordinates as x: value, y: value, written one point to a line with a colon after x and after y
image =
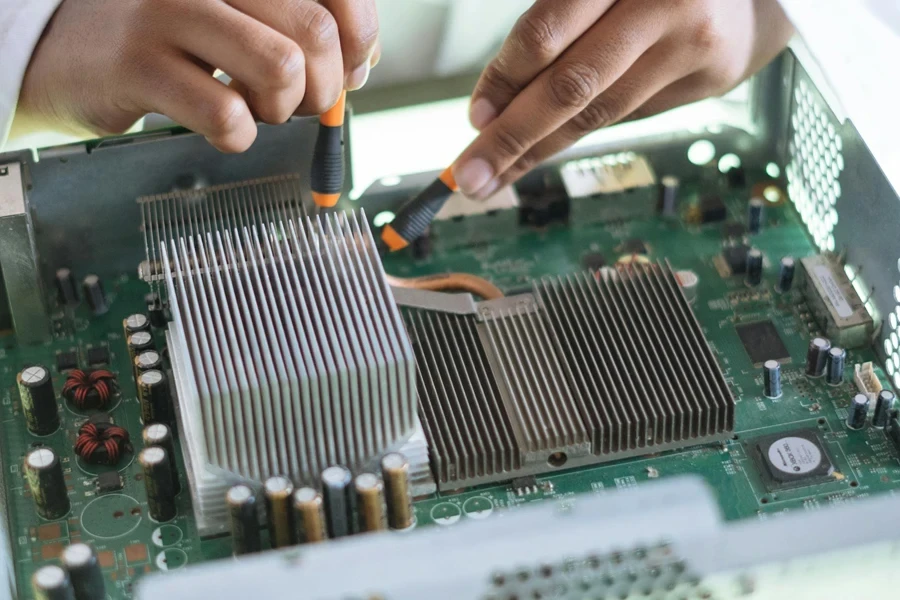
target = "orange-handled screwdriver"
x: 415, y: 216
x: 327, y: 175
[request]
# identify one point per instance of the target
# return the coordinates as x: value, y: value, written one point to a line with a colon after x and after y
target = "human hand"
x: 103, y: 64
x: 570, y: 67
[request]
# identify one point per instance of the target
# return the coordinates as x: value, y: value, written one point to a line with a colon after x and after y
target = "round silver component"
x: 788, y: 262
x: 136, y: 321
x: 305, y: 495
x: 278, y: 485
x: 153, y: 455
x: 239, y: 494
x: 92, y: 280
x: 367, y: 481
x: 140, y: 338
x: 34, y: 374
x: 336, y: 476
x: 860, y: 400
x: 49, y: 577
x: 150, y: 377
x: 821, y: 344
x: 77, y: 555
x: 148, y: 359
x: 670, y: 181
x: 394, y: 460
x: 156, y: 432
x: 41, y: 458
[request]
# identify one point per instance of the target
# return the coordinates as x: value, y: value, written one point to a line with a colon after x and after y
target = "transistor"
x: 736, y: 258
x: 712, y: 209
x: 109, y: 481
x: 98, y: 355
x: 66, y: 361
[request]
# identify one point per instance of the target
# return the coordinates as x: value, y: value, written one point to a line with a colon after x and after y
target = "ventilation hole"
x: 701, y: 152
x: 773, y: 170
x: 390, y: 181
x: 383, y: 218
x: 728, y: 162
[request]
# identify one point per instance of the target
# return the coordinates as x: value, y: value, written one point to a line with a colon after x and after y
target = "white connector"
x: 866, y: 381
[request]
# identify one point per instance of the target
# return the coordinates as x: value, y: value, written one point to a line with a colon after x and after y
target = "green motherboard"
x: 130, y: 545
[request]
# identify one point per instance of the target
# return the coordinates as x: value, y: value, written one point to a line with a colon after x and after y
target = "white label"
x: 834, y: 293
x: 795, y: 455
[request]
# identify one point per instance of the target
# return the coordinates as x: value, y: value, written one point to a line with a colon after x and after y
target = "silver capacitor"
x: 337, y: 492
x: 817, y: 356
x: 837, y: 358
x: 160, y: 434
x: 884, y: 404
x: 772, y: 379
x: 858, y: 411
x: 668, y: 196
x: 52, y: 583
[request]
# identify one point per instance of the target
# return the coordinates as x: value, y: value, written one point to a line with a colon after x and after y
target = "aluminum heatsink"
x: 588, y: 368
x: 287, y: 347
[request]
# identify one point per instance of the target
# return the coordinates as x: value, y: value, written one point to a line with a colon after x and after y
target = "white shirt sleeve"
x: 21, y: 24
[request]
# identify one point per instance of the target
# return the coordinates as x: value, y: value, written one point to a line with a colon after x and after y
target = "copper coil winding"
x: 101, y: 444
x: 82, y: 388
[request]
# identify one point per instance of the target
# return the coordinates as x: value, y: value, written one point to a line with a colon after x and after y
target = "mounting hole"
x: 854, y: 484
x: 557, y: 459
x: 764, y: 501
x: 821, y: 421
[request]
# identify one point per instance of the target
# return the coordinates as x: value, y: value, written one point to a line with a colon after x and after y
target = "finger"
x: 188, y: 95
x: 376, y: 55
x: 649, y: 76
x: 270, y: 64
x: 539, y: 37
x: 315, y: 31
x: 581, y: 74
x: 358, y: 26
x: 682, y: 92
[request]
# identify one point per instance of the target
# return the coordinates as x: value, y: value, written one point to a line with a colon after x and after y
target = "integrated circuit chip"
x: 66, y: 361
x: 791, y: 459
x: 735, y: 258
x: 99, y: 355
x: 762, y: 342
x: 109, y: 481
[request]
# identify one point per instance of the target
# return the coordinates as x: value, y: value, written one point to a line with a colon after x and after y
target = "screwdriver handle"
x: 327, y: 175
x: 413, y: 219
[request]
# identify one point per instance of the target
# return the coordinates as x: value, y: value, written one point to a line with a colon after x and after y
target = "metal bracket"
x: 19, y: 260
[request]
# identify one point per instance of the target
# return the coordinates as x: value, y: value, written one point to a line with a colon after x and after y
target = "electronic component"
x: 542, y: 207
x: 754, y: 267
x: 755, y: 211
x: 791, y: 459
x: 593, y: 261
x: 668, y: 196
x: 90, y: 389
x: 834, y: 303
x: 785, y: 275
x: 736, y: 177
x: 51, y: 582
x: 858, y: 411
x: 38, y: 400
x: 109, y: 481
x: 817, y: 356
x: 279, y: 512
x: 513, y: 367
x: 524, y: 486
x: 94, y: 295
x: 45, y: 478
x: 66, y: 361
x: 157, y: 473
x: 733, y: 231
x: 632, y: 246
x: 244, y: 518
x: 138, y: 342
x: 606, y: 175
x: 153, y: 392
x: 884, y: 405
x: 772, y: 379
x: 81, y: 562
x: 309, y: 516
x: 735, y: 258
x: 337, y: 494
x: 370, y: 502
x: 160, y: 434
x: 710, y: 209
x: 155, y: 310
x: 66, y: 287
x: 98, y: 355
x: 395, y: 474
x: 147, y: 361
x: 834, y: 374
x: 102, y: 444
x: 762, y: 342
x: 866, y: 380
x: 459, y: 205
x: 689, y: 282
x: 134, y: 323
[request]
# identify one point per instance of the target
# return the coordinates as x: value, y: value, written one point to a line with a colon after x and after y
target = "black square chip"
x: 762, y: 342
x: 66, y: 361
x: 109, y: 481
x: 98, y: 355
x: 791, y: 459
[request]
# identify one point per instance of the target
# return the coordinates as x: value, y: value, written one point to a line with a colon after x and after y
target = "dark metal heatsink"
x: 588, y: 368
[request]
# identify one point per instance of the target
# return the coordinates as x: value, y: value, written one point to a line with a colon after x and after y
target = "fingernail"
x: 481, y: 113
x: 358, y: 77
x: 488, y: 190
x: 473, y: 175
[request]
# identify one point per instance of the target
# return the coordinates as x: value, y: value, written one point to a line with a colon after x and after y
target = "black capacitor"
x: 279, y: 512
x: 153, y: 392
x: 337, y: 492
x: 244, y: 517
x: 817, y: 356
x: 786, y: 275
x: 160, y: 434
x: 94, y: 295
x: 38, y: 400
x: 51, y: 582
x: 772, y: 379
x: 837, y: 357
x: 755, y: 210
x: 155, y: 310
x: 134, y: 323
x: 858, y: 411
x: 754, y: 267
x: 81, y: 562
x: 158, y: 483
x: 668, y: 196
x: 139, y: 341
x: 44, y: 474
x: 395, y: 474
x: 66, y: 287
x: 146, y: 361
x: 884, y: 404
